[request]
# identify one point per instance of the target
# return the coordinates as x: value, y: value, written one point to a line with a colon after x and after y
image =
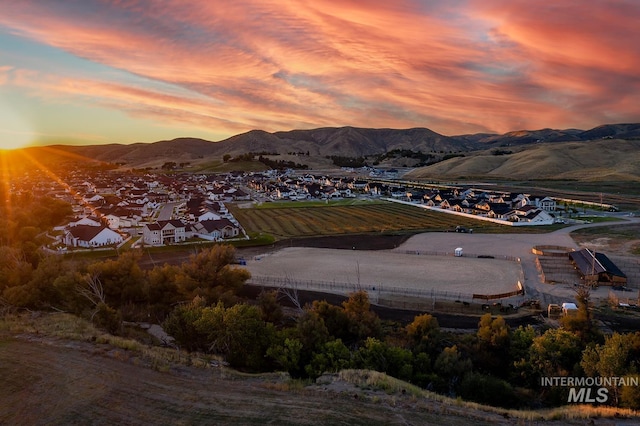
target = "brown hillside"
x: 604, y: 159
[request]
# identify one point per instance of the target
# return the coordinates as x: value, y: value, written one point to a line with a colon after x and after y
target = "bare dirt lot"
x: 389, y: 269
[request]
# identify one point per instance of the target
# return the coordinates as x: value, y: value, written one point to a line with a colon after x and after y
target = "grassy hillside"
x: 58, y: 369
x: 598, y: 160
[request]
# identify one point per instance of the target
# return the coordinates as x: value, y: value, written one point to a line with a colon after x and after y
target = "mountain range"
x: 605, y: 151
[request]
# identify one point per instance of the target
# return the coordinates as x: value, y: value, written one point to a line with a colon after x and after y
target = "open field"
x: 618, y: 240
x: 290, y: 220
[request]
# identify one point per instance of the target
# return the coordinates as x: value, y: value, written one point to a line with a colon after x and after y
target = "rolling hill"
x: 605, y: 152
x: 597, y: 160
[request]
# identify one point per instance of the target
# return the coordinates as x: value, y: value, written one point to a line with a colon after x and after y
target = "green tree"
x: 522, y: 372
x: 238, y: 333
x: 423, y: 374
x: 487, y: 389
x: 333, y: 357
x: 334, y: 317
x: 287, y: 354
x: 617, y: 357
x: 450, y: 367
x: 312, y: 332
x: 181, y: 325
x: 581, y: 323
x: 557, y: 352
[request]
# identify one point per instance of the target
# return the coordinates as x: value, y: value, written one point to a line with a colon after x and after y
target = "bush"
x: 487, y: 390
x: 107, y: 318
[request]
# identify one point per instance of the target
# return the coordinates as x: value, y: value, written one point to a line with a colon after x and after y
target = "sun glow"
x: 15, y: 131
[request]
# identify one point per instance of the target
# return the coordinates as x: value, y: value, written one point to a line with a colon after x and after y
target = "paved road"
x: 166, y: 211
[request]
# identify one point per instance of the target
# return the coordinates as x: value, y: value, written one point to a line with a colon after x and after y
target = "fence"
x: 389, y: 296
x: 451, y: 253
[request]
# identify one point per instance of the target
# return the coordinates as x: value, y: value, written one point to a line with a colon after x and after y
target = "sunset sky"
x: 122, y: 71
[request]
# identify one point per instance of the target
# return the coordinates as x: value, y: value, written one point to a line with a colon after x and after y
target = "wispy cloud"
x: 456, y: 67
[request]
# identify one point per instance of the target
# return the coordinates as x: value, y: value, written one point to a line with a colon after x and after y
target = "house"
x: 164, y: 231
x: 530, y: 214
x: 215, y: 229
x: 87, y: 220
x: 91, y: 236
x: 240, y: 195
x: 547, y: 204
x: 208, y: 215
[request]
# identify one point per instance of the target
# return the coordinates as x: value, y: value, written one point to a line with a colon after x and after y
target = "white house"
x: 163, y: 232
x: 209, y: 215
x: 216, y: 229
x: 547, y: 204
x: 86, y: 220
x: 91, y: 236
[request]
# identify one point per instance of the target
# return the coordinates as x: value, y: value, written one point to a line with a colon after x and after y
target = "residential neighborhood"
x: 111, y: 208
x: 114, y: 207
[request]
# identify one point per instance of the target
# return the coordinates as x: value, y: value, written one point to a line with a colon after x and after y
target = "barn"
x: 596, y: 268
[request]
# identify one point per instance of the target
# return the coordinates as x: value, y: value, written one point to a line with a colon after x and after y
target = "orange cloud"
x: 455, y: 67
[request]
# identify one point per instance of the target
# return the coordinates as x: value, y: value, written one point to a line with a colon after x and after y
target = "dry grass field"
x: 616, y: 161
x: 291, y: 219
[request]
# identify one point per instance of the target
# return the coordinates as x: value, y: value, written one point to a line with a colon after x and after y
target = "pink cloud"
x: 483, y: 65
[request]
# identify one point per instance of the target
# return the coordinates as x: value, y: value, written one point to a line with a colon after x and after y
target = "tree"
x: 491, y: 352
x: 238, y: 333
x: 557, y: 352
x: 181, y: 325
x: 161, y: 290
x: 270, y: 309
x: 363, y: 322
x: 488, y: 390
x: 211, y: 274
x: 581, y: 323
x: 493, y: 332
x: 312, y: 332
x: 122, y: 278
x: 14, y: 268
x: 423, y: 332
x: 450, y: 368
x: 334, y: 317
x: 521, y: 341
x: 287, y: 354
x: 333, y: 357
x: 107, y: 318
x: 617, y: 357
x: 381, y: 356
